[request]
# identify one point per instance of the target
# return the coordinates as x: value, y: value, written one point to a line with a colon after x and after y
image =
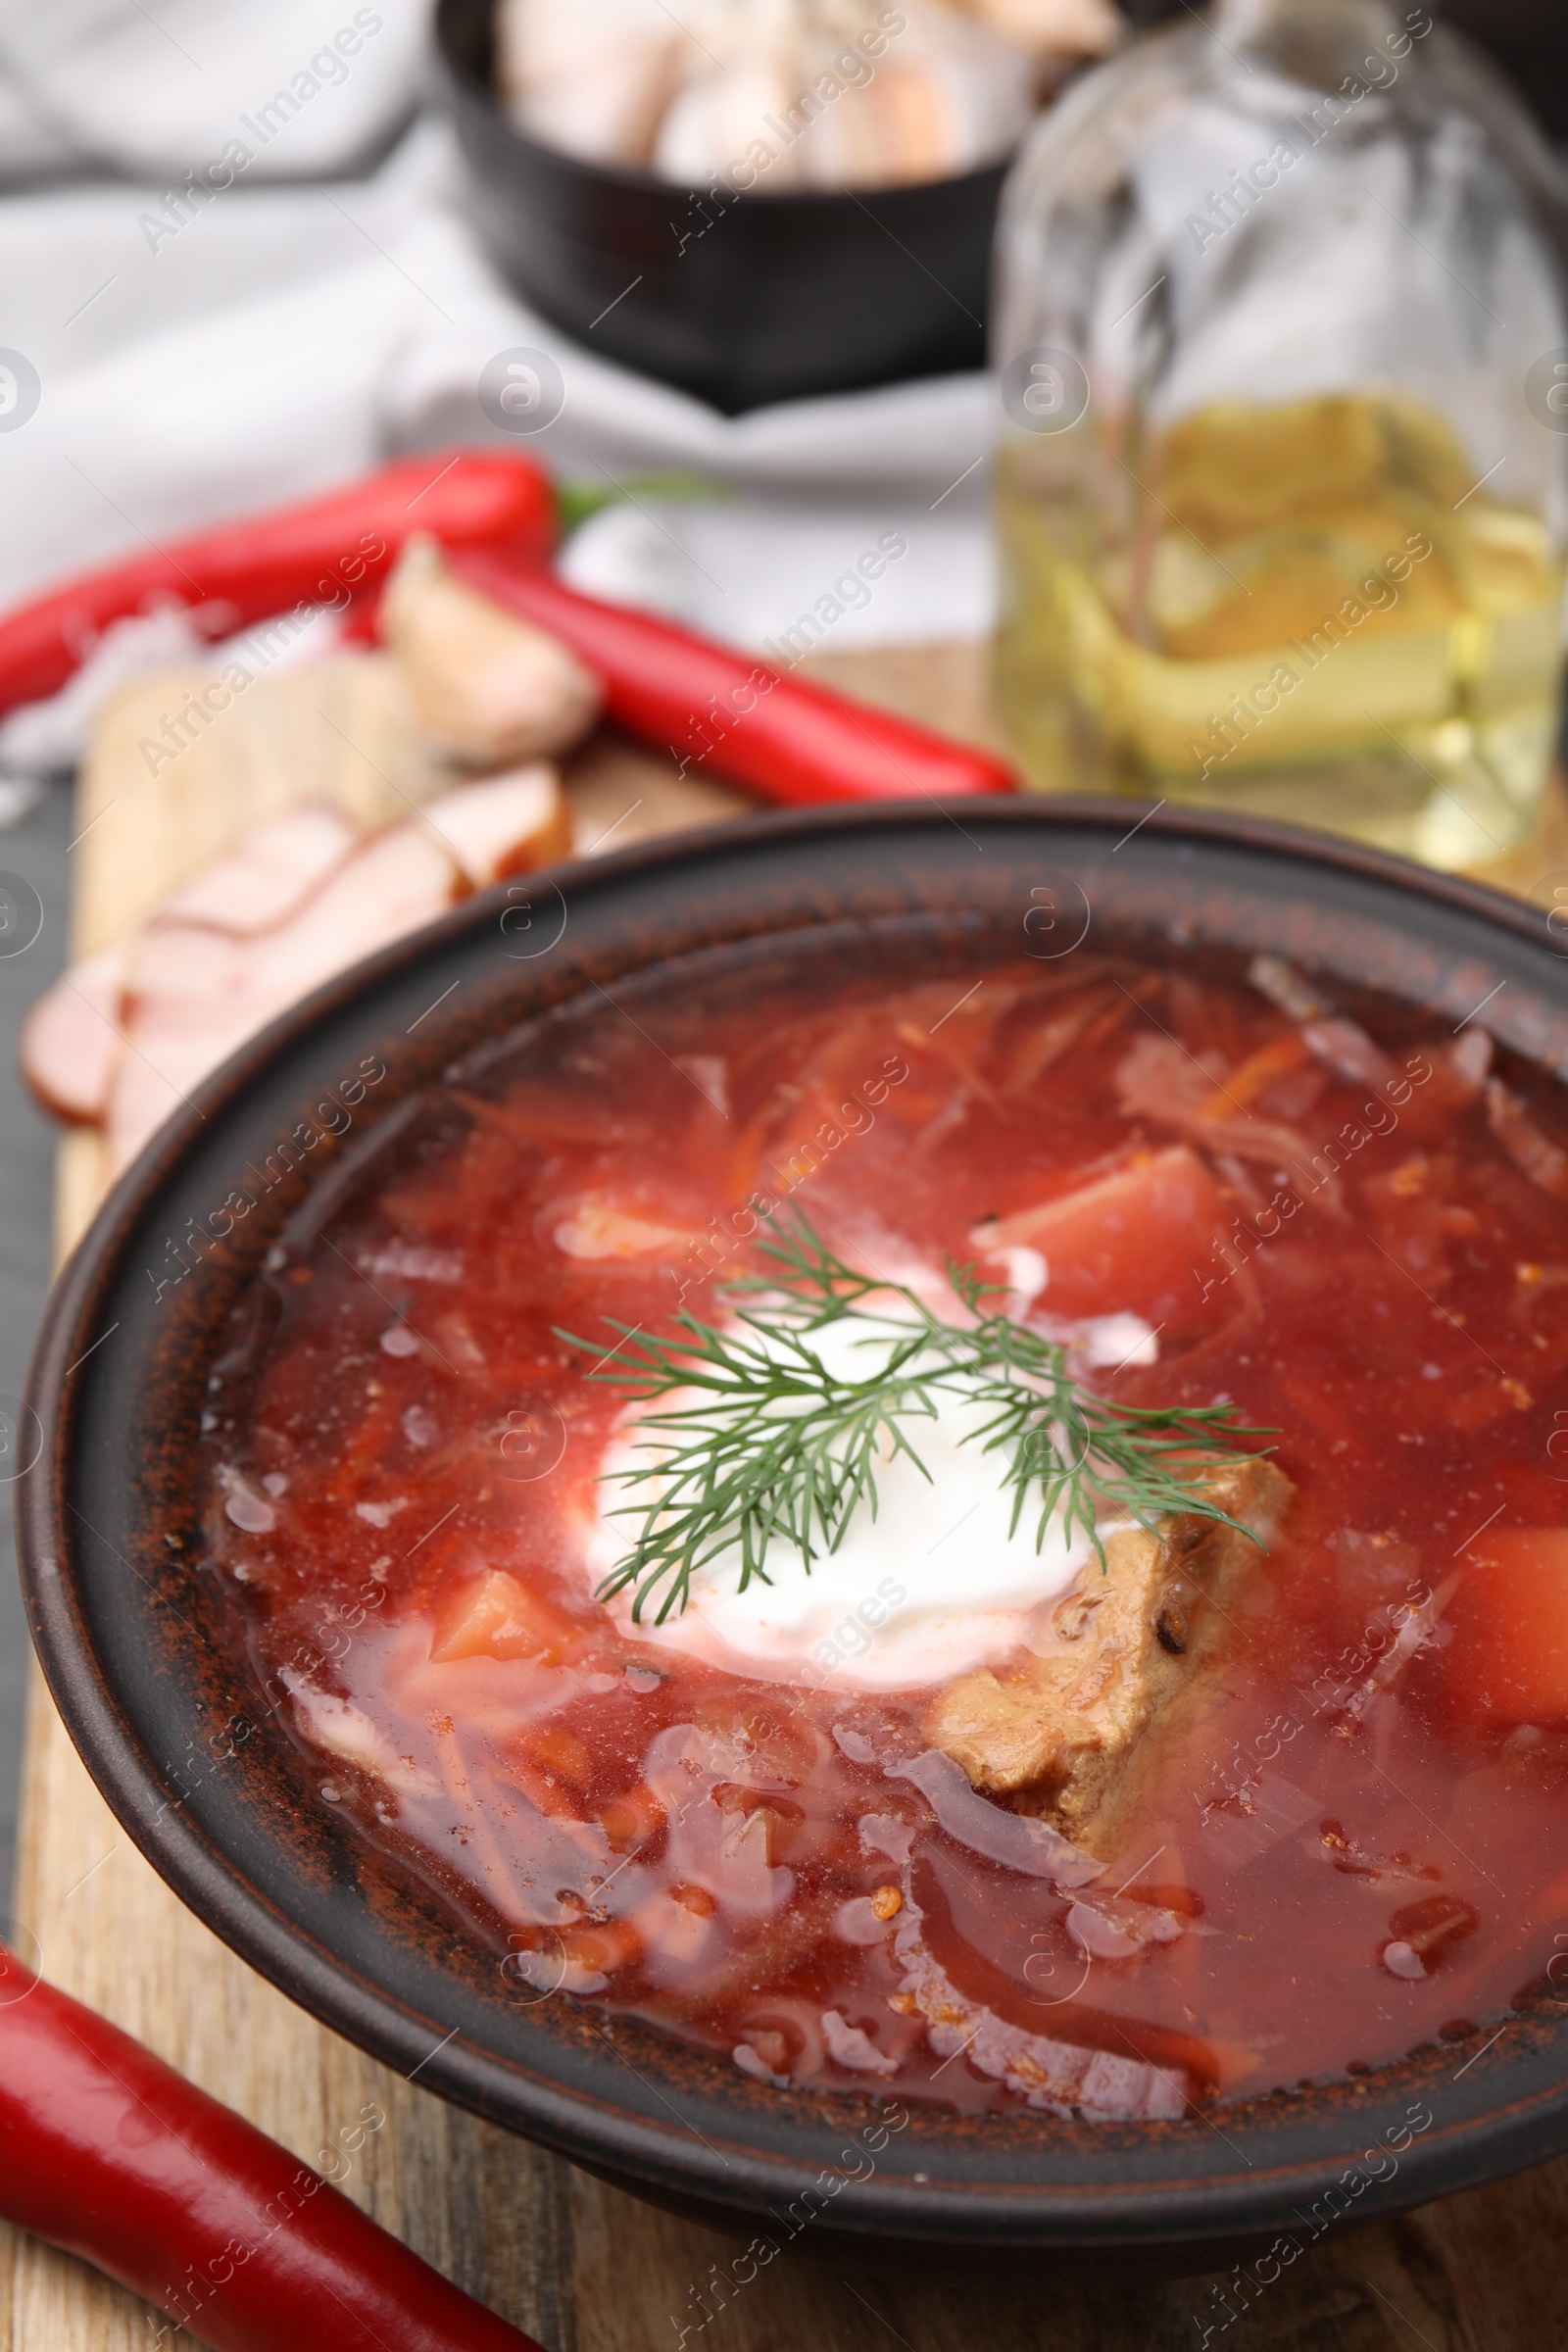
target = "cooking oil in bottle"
x: 1282, y: 481
x: 1307, y: 611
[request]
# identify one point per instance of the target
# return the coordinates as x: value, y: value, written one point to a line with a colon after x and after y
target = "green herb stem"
x: 775, y: 1444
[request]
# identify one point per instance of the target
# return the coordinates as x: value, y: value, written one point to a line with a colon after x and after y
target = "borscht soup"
x: 991, y: 1531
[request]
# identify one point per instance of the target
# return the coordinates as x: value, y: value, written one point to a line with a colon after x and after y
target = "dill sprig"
x: 775, y: 1444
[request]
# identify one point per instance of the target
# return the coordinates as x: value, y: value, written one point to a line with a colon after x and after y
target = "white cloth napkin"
x: 302, y: 85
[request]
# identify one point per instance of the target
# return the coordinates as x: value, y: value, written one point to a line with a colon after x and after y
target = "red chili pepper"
x: 778, y: 735
x: 108, y: 2153
x: 324, y: 552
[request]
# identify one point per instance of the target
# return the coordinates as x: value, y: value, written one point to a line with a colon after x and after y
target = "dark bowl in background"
x: 742, y: 301
x: 149, y: 1667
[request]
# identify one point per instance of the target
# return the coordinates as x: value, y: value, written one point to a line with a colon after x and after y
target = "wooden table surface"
x: 581, y: 2265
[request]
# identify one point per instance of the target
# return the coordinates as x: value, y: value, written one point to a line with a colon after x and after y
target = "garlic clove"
x: 610, y: 117
x: 485, y: 686
x: 984, y: 86
x: 718, y: 120
x: 1053, y: 28
x: 946, y: 96
x: 899, y: 130
x: 591, y: 77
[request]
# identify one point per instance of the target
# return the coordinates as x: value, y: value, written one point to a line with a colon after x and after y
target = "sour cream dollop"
x: 934, y: 1582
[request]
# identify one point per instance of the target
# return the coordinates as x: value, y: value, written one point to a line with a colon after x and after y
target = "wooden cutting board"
x: 580, y: 2266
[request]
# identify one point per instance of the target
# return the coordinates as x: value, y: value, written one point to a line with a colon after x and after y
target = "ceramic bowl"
x: 741, y: 300
x: 151, y: 1675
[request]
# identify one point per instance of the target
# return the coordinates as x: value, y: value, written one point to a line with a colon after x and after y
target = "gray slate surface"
x: 35, y: 850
